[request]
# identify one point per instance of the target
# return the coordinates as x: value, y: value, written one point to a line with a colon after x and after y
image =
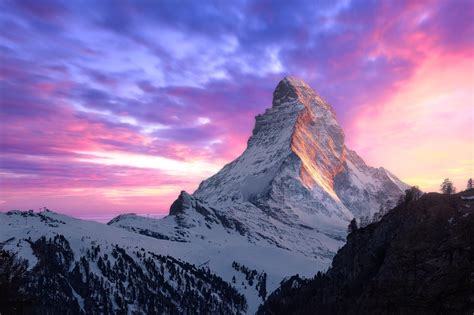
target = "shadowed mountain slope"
x: 418, y: 259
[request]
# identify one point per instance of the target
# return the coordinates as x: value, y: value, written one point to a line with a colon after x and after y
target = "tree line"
x: 413, y: 193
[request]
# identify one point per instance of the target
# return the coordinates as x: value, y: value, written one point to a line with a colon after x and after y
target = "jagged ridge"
x: 296, y: 186
x: 299, y: 144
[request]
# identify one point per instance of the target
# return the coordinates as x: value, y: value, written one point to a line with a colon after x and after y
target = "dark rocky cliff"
x: 418, y: 259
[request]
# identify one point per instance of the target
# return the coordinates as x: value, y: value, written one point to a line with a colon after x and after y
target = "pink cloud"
x: 423, y: 130
x: 81, y: 101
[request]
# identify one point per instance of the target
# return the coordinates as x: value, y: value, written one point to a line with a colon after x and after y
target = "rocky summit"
x: 296, y: 186
x: 297, y: 168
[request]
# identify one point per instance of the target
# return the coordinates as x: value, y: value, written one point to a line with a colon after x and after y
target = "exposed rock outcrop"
x: 418, y: 259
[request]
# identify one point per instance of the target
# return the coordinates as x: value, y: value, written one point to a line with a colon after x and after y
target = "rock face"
x: 418, y: 259
x: 297, y: 169
x: 295, y: 150
x: 183, y: 202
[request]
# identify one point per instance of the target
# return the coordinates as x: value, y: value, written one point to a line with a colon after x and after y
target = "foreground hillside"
x: 418, y: 259
x: 53, y: 264
x: 71, y: 265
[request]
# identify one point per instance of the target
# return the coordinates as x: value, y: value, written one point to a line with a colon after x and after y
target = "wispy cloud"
x: 110, y: 104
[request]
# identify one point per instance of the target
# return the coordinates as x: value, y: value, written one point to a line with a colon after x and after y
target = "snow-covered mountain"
x: 286, y: 201
x: 281, y: 208
x: 296, y: 186
x: 76, y: 266
x: 296, y: 163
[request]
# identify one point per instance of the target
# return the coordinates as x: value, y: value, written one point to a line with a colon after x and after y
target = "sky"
x: 109, y: 107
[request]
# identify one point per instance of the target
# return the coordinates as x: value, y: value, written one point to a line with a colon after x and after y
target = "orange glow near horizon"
x: 423, y: 131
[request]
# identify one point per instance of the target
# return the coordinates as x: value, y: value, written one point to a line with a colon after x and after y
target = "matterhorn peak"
x: 289, y: 88
x: 297, y: 150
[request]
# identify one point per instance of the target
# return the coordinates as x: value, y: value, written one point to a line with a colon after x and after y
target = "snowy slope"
x: 18, y: 230
x: 217, y: 239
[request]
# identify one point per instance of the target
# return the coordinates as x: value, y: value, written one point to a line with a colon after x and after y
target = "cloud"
x: 87, y: 86
x: 424, y: 130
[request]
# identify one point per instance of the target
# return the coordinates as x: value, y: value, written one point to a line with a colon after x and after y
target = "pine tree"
x: 470, y: 184
x: 412, y: 194
x: 352, y: 226
x: 13, y: 276
x: 447, y: 187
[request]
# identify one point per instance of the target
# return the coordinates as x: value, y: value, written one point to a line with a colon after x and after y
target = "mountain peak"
x: 297, y: 149
x: 288, y: 89
x: 179, y: 205
x: 292, y: 90
x: 293, y: 82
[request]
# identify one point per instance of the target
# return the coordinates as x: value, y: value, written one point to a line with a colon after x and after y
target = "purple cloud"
x: 184, y: 79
